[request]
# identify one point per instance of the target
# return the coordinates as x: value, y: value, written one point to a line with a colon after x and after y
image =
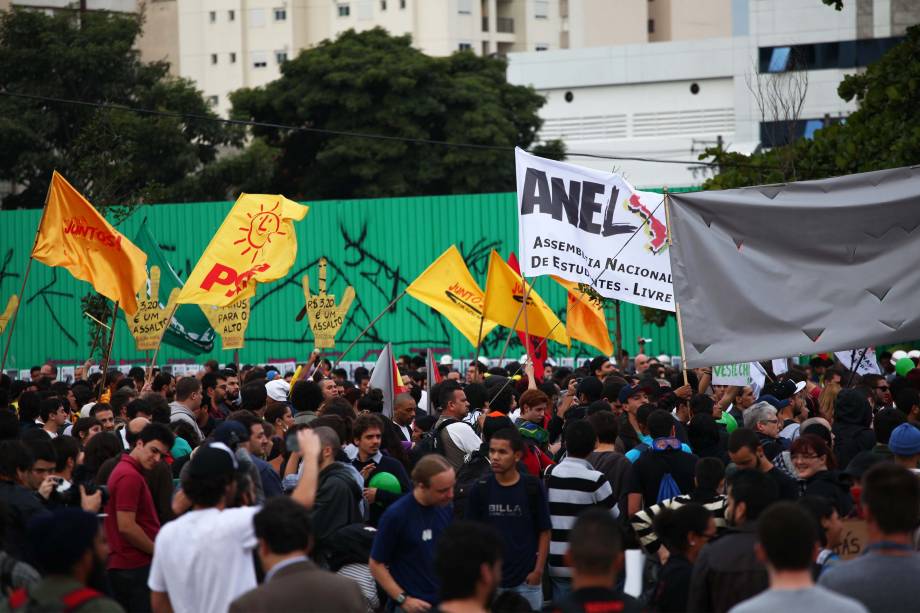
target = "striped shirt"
x: 572, y: 486
x: 643, y: 521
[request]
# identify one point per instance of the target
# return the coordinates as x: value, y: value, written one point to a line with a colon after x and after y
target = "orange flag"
x: 584, y: 318
x: 75, y: 236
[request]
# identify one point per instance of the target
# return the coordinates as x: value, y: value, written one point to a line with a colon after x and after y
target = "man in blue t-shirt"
x: 516, y: 506
x: 402, y: 558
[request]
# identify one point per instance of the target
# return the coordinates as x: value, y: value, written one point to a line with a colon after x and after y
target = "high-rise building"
x: 770, y: 78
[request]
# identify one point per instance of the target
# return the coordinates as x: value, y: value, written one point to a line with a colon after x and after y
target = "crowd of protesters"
x: 489, y: 489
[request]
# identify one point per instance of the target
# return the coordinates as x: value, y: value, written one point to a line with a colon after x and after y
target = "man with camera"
x: 131, y: 522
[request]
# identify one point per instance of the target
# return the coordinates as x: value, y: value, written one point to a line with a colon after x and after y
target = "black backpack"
x: 475, y: 470
x: 431, y: 440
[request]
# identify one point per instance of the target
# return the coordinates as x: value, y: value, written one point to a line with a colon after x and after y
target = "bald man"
x: 403, y: 414
x: 642, y: 362
x: 159, y: 479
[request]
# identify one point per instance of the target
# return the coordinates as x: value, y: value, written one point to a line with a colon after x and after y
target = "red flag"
x: 536, y: 349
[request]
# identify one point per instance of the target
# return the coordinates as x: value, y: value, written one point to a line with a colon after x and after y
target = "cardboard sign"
x: 855, y: 539
x: 326, y: 318
x: 229, y: 322
x: 7, y: 314
x: 149, y: 323
x: 732, y: 374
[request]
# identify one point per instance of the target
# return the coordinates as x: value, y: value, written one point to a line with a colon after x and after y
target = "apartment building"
x: 669, y: 100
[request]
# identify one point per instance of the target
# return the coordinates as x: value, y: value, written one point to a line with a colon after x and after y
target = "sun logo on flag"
x: 262, y: 226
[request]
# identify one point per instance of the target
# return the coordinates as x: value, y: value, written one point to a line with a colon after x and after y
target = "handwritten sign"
x: 326, y: 318
x: 149, y: 323
x: 855, y: 538
x: 732, y: 374
x: 7, y: 314
x: 229, y: 322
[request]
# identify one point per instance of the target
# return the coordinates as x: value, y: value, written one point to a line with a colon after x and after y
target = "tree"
x: 115, y: 157
x: 884, y: 132
x: 374, y: 83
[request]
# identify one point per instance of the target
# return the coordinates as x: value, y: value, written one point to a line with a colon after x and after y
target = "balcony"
x: 504, y: 25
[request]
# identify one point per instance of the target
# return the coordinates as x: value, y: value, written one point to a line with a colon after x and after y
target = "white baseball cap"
x: 897, y: 355
x: 446, y: 360
x: 913, y: 353
x: 278, y: 389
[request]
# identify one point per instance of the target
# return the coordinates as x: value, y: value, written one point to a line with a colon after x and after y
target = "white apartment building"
x: 227, y: 44
x: 669, y: 100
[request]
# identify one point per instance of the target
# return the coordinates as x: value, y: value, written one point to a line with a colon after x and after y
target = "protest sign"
x: 149, y: 322
x: 854, y: 540
x: 861, y: 360
x: 230, y: 322
x: 325, y: 316
x: 731, y: 374
x: 578, y: 224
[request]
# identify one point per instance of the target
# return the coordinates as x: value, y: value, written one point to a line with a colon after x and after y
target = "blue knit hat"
x: 905, y: 440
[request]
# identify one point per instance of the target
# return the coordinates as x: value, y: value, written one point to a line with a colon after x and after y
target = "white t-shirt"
x: 203, y: 559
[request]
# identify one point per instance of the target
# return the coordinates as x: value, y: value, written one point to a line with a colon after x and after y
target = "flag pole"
x: 108, y: 351
x: 22, y: 287
x: 156, y: 351
x: 680, y: 323
x: 526, y: 328
x: 482, y: 319
x: 514, y: 325
x: 368, y: 327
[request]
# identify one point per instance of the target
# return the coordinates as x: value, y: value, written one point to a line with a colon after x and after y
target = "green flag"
x: 189, y: 329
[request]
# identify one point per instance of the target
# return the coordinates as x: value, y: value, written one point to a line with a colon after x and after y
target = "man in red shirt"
x: 131, y: 522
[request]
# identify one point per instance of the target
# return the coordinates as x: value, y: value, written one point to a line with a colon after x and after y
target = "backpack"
x: 21, y: 600
x: 475, y: 470
x: 349, y: 544
x: 431, y: 441
x: 668, y: 488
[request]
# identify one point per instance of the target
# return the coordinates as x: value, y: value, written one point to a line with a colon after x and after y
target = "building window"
x: 383, y: 5
x: 402, y: 4
x: 651, y: 26
x: 213, y: 100
x: 213, y: 58
x: 542, y: 47
x: 842, y: 54
x: 541, y: 9
x: 465, y: 7
x: 280, y: 57
x: 231, y: 15
x: 212, y: 16
x: 569, y: 96
x: 233, y: 57
x: 344, y: 10
x: 694, y: 88
x: 280, y: 14
x: 464, y: 47
x: 259, y: 59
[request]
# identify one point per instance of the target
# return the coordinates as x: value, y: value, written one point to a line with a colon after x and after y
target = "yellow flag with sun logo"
x: 255, y: 244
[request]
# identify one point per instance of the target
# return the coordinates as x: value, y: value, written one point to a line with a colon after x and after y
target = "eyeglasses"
x: 770, y: 421
x: 804, y: 456
x: 884, y: 388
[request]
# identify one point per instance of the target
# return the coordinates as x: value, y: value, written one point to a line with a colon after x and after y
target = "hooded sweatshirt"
x: 852, y: 416
x: 337, y: 498
x: 830, y: 485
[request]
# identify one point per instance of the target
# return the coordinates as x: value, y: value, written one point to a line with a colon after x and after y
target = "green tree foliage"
x: 883, y: 133
x: 374, y: 83
x: 114, y: 157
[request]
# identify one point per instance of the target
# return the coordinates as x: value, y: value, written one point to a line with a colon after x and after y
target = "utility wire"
x: 421, y: 141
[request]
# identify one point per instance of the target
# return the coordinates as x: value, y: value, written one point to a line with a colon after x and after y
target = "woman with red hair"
x: 816, y: 466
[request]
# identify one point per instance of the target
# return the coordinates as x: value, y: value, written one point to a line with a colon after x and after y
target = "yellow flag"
x: 75, y: 236
x: 255, y: 244
x: 505, y: 291
x: 448, y: 287
x: 584, y: 318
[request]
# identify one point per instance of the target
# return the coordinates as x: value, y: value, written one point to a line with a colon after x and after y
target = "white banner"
x: 578, y: 223
x: 868, y: 365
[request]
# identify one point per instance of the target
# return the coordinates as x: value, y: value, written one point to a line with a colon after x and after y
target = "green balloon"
x: 904, y: 366
x: 386, y: 482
